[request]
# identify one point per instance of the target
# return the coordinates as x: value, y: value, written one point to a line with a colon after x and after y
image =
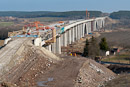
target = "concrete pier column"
x: 61, y: 37
x: 89, y: 27
x: 103, y: 22
x: 76, y: 30
x: 79, y: 31
x: 49, y: 47
x: 58, y: 45
x: 69, y: 36
x: 94, y: 25
x: 100, y: 23
x: 97, y: 25
x: 64, y: 39
x: 83, y: 29
x: 72, y: 32
x: 53, y: 47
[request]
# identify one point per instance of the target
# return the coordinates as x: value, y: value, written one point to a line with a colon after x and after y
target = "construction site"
x: 39, y: 56
x: 31, y: 66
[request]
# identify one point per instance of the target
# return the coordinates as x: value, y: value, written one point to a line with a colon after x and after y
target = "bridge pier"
x: 72, y: 32
x: 58, y: 45
x: 53, y: 47
x: 69, y: 40
x: 49, y: 47
x: 89, y: 27
x: 83, y: 30
x: 64, y: 39
x: 62, y: 44
x: 94, y: 25
x: 80, y: 29
x: 78, y: 32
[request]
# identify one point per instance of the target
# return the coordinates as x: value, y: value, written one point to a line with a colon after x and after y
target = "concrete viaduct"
x: 74, y: 32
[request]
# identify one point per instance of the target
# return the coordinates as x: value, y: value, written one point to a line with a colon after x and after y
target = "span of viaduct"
x: 74, y: 32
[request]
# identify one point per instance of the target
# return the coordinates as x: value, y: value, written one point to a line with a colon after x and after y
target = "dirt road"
x: 64, y: 74
x: 6, y: 53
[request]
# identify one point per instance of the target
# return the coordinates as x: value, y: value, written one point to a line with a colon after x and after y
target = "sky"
x: 64, y: 5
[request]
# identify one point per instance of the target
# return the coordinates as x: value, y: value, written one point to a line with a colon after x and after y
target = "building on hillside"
x: 115, y: 50
x: 107, y: 53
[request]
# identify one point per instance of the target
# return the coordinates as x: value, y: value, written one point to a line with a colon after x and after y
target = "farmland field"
x: 6, y: 24
x: 118, y: 38
x: 120, y: 58
x: 46, y: 19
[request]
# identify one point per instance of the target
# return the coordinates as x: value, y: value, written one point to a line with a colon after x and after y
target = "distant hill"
x: 77, y: 14
x: 22, y: 13
x: 120, y: 15
x: 34, y: 14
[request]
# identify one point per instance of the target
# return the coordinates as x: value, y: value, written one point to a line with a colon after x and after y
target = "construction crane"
x: 87, y: 14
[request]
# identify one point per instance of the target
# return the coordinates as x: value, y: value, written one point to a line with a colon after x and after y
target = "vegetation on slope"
x: 77, y: 14
x: 120, y: 15
x: 4, y: 31
x: 91, y: 48
x: 22, y: 13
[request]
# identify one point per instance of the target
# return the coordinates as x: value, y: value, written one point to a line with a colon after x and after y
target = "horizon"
x: 61, y: 11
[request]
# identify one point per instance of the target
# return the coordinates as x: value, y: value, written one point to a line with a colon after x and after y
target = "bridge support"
x: 65, y: 39
x: 58, y: 45
x: 69, y: 40
x: 53, y: 47
x: 73, y: 35
x: 76, y: 32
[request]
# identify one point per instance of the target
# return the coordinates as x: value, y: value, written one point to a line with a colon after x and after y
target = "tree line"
x: 93, y: 48
x: 23, y: 14
x: 120, y: 15
x: 4, y: 31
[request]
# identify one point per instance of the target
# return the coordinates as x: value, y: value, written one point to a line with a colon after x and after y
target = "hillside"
x: 22, y: 13
x: 78, y: 14
x: 120, y: 15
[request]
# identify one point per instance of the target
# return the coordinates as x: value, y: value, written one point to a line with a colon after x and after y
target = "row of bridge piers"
x: 74, y: 32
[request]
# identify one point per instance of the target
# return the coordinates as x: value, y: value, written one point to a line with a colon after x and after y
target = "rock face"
x: 39, y: 67
x: 92, y: 74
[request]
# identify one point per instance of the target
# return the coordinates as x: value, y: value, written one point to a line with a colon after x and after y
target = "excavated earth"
x: 32, y: 66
